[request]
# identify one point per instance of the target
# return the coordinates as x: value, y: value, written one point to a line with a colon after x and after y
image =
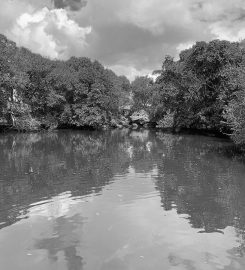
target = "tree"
x: 195, y: 88
x: 142, y: 93
x: 78, y: 92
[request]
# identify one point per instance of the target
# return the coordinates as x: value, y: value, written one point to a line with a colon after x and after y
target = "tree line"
x: 203, y: 90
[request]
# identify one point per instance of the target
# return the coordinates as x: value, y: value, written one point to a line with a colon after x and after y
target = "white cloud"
x: 50, y: 33
x: 58, y: 206
x: 223, y: 19
x: 184, y: 46
x: 132, y: 37
x: 221, y: 31
x: 130, y: 72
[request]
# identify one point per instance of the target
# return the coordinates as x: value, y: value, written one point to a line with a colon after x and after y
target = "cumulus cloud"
x: 130, y: 36
x: 232, y: 33
x: 10, y: 10
x: 50, y: 33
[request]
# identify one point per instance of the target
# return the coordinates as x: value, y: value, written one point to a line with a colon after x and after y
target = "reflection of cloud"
x: 176, y: 241
x: 57, y: 207
x: 130, y: 151
x: 149, y: 146
x: 66, y: 240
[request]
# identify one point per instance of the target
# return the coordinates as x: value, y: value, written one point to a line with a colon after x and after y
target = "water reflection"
x: 120, y: 200
x: 65, y: 239
x: 203, y: 184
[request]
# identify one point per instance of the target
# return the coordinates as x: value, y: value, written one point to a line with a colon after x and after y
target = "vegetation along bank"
x: 203, y: 90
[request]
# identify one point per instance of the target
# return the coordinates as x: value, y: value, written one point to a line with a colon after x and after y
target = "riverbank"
x: 119, y: 126
x: 37, y: 93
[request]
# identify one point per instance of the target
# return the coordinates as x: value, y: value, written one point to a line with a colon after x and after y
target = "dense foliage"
x: 36, y: 91
x: 202, y: 90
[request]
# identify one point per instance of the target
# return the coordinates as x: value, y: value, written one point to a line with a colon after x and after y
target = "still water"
x: 120, y: 200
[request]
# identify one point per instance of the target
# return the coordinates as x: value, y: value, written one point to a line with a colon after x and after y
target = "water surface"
x: 135, y: 200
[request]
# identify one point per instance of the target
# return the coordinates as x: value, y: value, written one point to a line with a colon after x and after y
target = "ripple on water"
x: 134, y: 200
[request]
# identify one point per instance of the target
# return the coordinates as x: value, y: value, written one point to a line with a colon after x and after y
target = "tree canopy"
x: 203, y: 90
x: 75, y: 93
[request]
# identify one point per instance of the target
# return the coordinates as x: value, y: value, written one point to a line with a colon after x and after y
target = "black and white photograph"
x: 122, y: 135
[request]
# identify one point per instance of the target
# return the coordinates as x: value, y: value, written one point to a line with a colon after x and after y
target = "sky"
x: 131, y: 37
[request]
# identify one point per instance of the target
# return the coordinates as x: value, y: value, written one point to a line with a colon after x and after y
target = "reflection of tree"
x: 143, y: 146
x: 66, y: 239
x: 193, y: 175
x: 37, y: 166
x: 197, y: 180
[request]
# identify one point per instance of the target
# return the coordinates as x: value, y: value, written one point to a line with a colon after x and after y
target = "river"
x: 120, y: 200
